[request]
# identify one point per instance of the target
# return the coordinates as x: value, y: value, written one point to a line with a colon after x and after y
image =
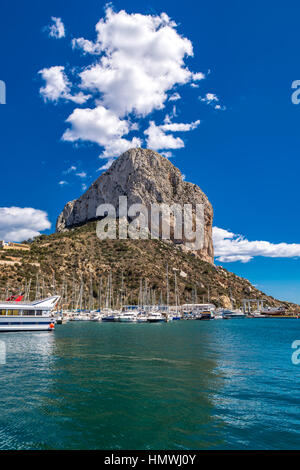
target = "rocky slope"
x: 145, y: 177
x: 61, y: 260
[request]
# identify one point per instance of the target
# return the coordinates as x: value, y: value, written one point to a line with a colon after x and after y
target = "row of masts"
x: 100, y: 294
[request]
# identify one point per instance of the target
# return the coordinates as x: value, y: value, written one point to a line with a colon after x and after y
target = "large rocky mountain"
x: 145, y: 177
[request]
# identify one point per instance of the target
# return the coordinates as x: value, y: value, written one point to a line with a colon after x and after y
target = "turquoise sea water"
x: 182, y: 385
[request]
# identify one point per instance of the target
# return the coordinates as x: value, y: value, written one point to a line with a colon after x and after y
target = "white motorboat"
x: 97, y: 317
x: 81, y: 316
x: 127, y: 317
x: 109, y: 315
x: 257, y: 314
x: 156, y: 317
x: 229, y: 314
x: 28, y: 316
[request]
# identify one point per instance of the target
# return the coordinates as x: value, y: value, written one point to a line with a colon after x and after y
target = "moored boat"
x: 28, y: 316
x: 126, y: 317
x: 229, y: 314
x: 204, y: 316
x: 273, y: 311
x: 156, y: 317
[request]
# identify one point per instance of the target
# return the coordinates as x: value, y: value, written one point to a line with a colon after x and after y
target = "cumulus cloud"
x: 57, y: 29
x: 157, y: 139
x: 231, y: 247
x: 101, y: 126
x: 86, y: 46
x: 18, y: 224
x: 58, y: 86
x: 136, y: 63
x: 142, y: 59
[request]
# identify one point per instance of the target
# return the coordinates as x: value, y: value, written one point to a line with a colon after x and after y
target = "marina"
x: 43, y: 314
x: 177, y: 385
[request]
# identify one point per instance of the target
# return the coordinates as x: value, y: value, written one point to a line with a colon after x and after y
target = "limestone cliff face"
x: 145, y: 177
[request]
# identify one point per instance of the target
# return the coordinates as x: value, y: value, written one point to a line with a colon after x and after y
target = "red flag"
x: 19, y: 298
x: 15, y: 298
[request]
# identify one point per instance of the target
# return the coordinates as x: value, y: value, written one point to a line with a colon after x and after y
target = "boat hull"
x: 127, y: 321
x: 228, y: 317
x: 19, y: 323
x: 155, y: 321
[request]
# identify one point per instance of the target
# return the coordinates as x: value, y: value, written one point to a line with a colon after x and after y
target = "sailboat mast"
x: 168, y: 297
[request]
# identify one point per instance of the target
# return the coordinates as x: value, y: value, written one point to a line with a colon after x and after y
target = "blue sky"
x: 245, y: 156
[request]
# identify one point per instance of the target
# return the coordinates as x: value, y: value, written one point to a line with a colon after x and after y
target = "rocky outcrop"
x: 145, y: 177
x: 62, y: 221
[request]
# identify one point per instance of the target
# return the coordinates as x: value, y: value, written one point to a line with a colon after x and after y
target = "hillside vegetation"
x: 58, y: 263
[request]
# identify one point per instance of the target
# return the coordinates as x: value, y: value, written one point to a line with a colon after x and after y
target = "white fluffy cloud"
x: 157, y: 139
x: 17, y: 223
x: 57, y: 29
x: 86, y: 46
x: 142, y: 59
x: 58, y: 86
x: 137, y: 62
x: 230, y: 247
x: 101, y: 126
